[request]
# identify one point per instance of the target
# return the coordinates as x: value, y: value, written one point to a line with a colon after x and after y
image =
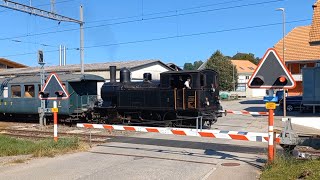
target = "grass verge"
x: 11, y: 146
x: 290, y: 168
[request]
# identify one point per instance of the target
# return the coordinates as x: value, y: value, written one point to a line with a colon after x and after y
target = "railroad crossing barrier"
x: 220, y: 134
x: 243, y: 112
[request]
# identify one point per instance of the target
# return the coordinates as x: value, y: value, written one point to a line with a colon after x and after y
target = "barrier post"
x: 271, y: 106
x: 270, y: 140
x: 275, y: 145
x: 55, y: 121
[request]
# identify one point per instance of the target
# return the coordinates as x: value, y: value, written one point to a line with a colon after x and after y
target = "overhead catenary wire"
x: 143, y: 19
x: 171, y: 37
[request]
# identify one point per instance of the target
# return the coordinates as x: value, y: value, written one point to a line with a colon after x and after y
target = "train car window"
x: 202, y: 81
x: 5, y: 92
x: 15, y: 91
x: 28, y: 91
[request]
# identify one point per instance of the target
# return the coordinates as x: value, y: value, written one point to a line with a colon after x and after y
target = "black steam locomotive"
x: 168, y: 102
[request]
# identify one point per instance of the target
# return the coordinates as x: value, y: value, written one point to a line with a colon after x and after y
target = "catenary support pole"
x: 81, y: 40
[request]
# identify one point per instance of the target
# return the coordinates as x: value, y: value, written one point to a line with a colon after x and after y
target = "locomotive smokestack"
x: 113, y: 70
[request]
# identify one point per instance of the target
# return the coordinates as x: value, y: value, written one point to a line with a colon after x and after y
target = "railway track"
x: 36, y: 134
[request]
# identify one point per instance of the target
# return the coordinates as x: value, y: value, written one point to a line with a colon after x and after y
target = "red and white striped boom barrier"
x: 243, y: 112
x: 236, y: 135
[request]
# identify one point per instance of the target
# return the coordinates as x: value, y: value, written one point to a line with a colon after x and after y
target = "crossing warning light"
x: 271, y: 73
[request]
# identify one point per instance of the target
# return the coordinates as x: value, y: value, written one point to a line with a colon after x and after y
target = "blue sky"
x: 177, y: 31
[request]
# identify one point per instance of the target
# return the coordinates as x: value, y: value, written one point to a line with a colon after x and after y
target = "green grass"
x: 289, y: 168
x: 47, y: 147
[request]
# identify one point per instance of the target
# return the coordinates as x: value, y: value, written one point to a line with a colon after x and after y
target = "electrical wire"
x: 172, y: 37
x: 144, y: 19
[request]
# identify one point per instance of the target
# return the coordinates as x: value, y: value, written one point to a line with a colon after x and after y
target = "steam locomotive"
x: 166, y: 103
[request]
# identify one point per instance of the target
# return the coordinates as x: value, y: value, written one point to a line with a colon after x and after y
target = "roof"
x: 174, y: 66
x: 11, y: 63
x: 187, y: 71
x: 132, y: 65
x: 62, y: 77
x: 244, y: 66
x: 297, y: 47
x: 315, y: 27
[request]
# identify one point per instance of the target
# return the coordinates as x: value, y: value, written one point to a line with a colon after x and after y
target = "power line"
x: 164, y: 12
x: 172, y: 37
x: 144, y: 19
x: 195, y: 34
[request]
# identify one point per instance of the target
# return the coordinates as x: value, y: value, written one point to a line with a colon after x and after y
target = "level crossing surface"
x: 161, y: 156
x: 148, y: 156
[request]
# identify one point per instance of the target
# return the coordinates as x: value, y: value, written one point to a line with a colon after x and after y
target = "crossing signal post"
x: 271, y: 73
x: 53, y: 89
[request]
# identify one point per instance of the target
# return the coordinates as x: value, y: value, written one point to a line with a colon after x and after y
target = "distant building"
x: 137, y: 68
x: 302, y: 48
x: 245, y: 69
x: 7, y: 64
x: 174, y: 67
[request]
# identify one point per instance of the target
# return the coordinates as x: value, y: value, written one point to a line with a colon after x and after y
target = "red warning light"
x: 282, y: 79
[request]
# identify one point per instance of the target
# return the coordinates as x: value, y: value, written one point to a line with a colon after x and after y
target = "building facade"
x: 245, y: 69
x: 302, y: 49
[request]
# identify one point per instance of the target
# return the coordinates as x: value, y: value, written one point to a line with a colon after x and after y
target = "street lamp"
x: 283, y: 49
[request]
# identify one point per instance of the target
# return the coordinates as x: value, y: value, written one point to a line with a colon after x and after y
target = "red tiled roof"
x: 244, y: 66
x: 297, y: 47
x: 315, y: 27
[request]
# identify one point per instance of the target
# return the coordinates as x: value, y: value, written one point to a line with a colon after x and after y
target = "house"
x: 7, y: 64
x: 245, y: 69
x: 302, y: 49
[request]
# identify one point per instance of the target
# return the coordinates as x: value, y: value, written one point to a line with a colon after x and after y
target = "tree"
x: 246, y: 56
x: 188, y: 66
x: 227, y: 73
x: 194, y: 66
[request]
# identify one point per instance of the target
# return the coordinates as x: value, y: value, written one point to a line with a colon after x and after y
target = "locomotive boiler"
x: 166, y: 102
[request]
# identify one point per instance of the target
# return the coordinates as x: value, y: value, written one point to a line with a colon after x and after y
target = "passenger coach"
x: 19, y: 96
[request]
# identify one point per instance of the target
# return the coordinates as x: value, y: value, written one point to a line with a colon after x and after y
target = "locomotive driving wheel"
x: 169, y: 119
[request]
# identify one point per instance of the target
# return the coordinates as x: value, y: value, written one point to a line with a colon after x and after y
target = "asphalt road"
x: 157, y: 156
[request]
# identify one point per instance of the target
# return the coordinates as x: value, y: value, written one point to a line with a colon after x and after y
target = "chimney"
x: 113, y: 70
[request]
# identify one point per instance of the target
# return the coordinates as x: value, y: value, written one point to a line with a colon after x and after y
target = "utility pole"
x: 283, y: 56
x: 49, y: 15
x: 52, y: 6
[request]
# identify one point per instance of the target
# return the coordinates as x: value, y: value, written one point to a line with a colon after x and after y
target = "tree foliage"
x: 194, y: 66
x: 227, y: 72
x: 246, y: 56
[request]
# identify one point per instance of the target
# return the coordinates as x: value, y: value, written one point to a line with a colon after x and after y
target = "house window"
x: 318, y: 64
x: 247, y: 77
x: 15, y: 91
x: 241, y: 87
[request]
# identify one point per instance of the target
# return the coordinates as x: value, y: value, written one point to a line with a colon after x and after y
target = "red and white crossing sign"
x: 271, y: 73
x: 53, y: 89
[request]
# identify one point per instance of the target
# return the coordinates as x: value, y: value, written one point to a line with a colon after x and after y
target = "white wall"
x: 250, y: 92
x: 155, y: 70
x: 313, y: 122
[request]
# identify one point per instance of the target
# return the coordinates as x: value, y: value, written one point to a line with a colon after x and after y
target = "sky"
x: 173, y: 31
